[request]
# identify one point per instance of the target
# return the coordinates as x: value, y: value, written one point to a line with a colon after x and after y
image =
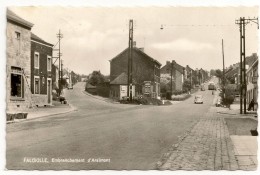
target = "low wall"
x: 40, y: 100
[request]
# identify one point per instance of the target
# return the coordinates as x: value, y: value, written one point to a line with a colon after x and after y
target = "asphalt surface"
x: 126, y: 137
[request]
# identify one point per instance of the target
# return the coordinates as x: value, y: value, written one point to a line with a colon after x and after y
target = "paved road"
x: 132, y: 137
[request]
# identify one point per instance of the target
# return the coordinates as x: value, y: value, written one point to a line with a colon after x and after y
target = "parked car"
x: 198, y: 99
x: 218, y: 104
x: 70, y: 86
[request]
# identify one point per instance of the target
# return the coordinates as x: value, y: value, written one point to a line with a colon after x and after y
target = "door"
x: 49, y: 90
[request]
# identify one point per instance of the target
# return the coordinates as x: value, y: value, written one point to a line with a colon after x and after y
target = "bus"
x: 211, y: 86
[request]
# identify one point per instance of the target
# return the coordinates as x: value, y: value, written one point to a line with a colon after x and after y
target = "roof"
x: 189, y: 68
x: 38, y: 39
x: 176, y: 66
x: 231, y: 72
x: 15, y: 18
x: 179, y: 67
x: 251, y: 59
x: 138, y: 51
x: 121, y: 79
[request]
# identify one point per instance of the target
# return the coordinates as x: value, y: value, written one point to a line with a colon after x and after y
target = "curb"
x: 72, y: 108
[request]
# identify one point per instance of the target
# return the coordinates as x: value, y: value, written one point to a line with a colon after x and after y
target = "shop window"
x: 16, y: 85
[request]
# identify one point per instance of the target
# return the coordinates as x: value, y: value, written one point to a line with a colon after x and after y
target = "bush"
x: 181, y: 97
x: 145, y: 101
x: 228, y: 100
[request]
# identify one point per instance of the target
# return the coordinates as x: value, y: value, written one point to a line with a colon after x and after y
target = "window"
x: 36, y: 85
x: 16, y: 85
x: 18, y: 43
x: 36, y: 60
x: 49, y: 62
x: 18, y: 35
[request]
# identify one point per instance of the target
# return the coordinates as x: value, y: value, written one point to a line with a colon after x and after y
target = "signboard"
x: 123, y: 91
x: 147, y: 87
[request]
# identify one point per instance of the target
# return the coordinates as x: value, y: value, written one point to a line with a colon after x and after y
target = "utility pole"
x: 59, y: 36
x: 171, y: 76
x: 224, y: 79
x: 190, y: 79
x: 61, y: 73
x: 130, y: 61
x: 243, y: 88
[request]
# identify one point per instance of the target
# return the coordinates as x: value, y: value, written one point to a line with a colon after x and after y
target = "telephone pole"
x: 224, y: 79
x: 59, y: 36
x: 242, y: 22
x: 130, y: 61
x: 171, y: 77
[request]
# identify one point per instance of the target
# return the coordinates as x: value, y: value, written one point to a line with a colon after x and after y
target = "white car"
x: 218, y: 104
x: 198, y: 99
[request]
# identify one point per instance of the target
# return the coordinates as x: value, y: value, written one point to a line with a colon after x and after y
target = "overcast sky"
x: 191, y: 35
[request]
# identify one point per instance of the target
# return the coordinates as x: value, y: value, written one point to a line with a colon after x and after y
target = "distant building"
x: 41, y: 71
x: 18, y: 62
x: 178, y: 74
x: 146, y: 75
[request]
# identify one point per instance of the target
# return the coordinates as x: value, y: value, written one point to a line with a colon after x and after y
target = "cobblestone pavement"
x: 207, y: 146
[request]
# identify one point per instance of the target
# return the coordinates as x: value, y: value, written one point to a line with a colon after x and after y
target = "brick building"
x: 178, y: 74
x: 146, y: 75
x: 18, y: 62
x: 41, y: 71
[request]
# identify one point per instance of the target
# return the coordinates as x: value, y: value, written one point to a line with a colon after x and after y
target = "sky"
x: 190, y: 35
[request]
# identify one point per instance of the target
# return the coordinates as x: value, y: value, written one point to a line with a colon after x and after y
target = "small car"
x: 218, y: 104
x: 198, y: 99
x: 70, y: 86
x: 202, y: 88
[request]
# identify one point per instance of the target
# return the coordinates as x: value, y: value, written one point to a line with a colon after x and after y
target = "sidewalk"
x: 209, y: 146
x: 235, y: 113
x: 38, y: 112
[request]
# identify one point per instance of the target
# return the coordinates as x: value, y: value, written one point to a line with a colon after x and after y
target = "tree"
x: 212, y: 72
x: 96, y: 78
x: 186, y: 86
x: 219, y: 73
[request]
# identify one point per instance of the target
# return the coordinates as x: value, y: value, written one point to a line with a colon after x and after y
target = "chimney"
x: 142, y: 49
x: 168, y: 62
x: 134, y: 43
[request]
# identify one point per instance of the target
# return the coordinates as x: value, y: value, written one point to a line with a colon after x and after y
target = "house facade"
x: 252, y: 83
x: 178, y: 75
x: 55, y: 77
x: 18, y: 62
x: 145, y: 75
x: 190, y: 75
x: 41, y: 71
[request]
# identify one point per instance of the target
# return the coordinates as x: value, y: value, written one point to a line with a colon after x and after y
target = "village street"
x: 125, y: 136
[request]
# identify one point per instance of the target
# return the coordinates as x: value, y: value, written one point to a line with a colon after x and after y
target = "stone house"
x: 41, y: 71
x: 178, y: 75
x: 18, y: 62
x: 145, y: 75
